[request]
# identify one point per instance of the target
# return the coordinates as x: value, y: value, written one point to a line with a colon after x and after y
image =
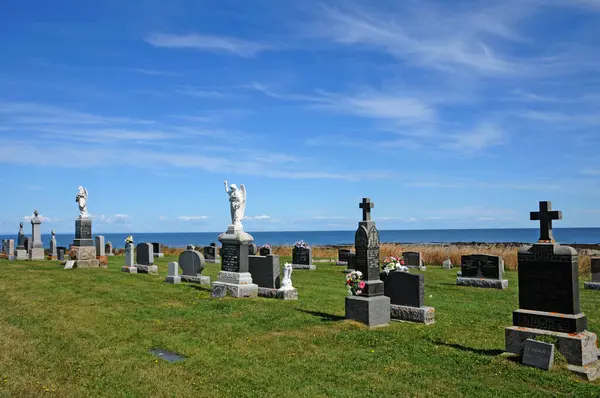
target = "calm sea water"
x: 562, y: 235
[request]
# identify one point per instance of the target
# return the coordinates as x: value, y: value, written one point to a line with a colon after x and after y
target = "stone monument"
x: 173, y: 275
x: 235, y: 278
x: 371, y: 307
x: 549, y: 300
x: 53, y: 249
x: 37, y: 247
x: 83, y: 250
x: 129, y: 257
x: 595, y: 271
x: 192, y: 263
x: 407, y: 296
x: 482, y: 270
x: 21, y: 249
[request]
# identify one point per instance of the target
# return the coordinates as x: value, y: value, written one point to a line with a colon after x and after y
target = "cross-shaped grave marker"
x: 366, y: 205
x: 545, y: 217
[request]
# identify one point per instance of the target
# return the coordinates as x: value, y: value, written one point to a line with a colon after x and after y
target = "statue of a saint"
x: 53, y: 235
x: 237, y: 203
x: 81, y: 199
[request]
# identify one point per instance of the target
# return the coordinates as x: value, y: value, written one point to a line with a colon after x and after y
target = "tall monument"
x: 37, y: 247
x: 84, y: 250
x: 235, y: 278
x: 370, y: 307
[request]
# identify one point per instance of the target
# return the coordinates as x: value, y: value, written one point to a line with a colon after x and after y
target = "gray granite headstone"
x: 538, y: 354
x: 404, y: 288
x: 144, y: 254
x: 412, y: 259
x: 252, y: 249
x: 191, y: 262
x: 100, y: 249
x: 61, y: 255
x: 129, y: 255
x: 265, y: 271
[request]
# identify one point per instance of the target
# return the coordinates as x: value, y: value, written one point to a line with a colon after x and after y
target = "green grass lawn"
x: 88, y: 332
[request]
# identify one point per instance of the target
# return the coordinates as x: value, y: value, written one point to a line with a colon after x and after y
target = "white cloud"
x: 114, y: 219
x: 329, y: 218
x: 261, y: 217
x: 242, y: 48
x: 192, y: 218
x: 162, y: 218
x: 44, y: 219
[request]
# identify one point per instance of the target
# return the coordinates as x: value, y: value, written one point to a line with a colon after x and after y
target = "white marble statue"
x: 53, y: 235
x: 286, y: 283
x: 237, y: 203
x: 81, y: 199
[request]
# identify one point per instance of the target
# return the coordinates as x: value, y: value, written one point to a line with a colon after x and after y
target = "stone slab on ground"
x: 578, y: 348
x: 591, y: 285
x: 311, y: 267
x: 236, y: 290
x: 200, y: 279
x: 285, y: 294
x: 424, y: 315
x: 482, y: 282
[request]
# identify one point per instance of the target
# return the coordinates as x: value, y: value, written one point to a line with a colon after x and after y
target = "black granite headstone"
x: 302, y: 255
x: 144, y: 254
x: 61, y: 254
x: 538, y: 354
x: 404, y: 288
x: 265, y: 271
x: 595, y: 268
x: 210, y: 252
x: 482, y: 266
x: 366, y: 247
x: 343, y: 255
x: 83, y: 232
x: 265, y: 251
x: 156, y: 248
x: 412, y: 259
x: 230, y: 257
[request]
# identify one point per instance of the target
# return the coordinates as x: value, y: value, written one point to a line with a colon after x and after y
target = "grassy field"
x: 88, y: 332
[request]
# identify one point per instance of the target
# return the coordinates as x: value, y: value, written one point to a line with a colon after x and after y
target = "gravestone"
x: 83, y: 250
x: 343, y: 257
x: 61, y: 254
x: 252, y: 249
x: 538, y: 354
x: 157, y: 249
x: 482, y: 270
x: 266, y: 251
x: 21, y: 238
x: 192, y: 264
x: 129, y: 261
x: 265, y: 272
x: 28, y: 243
x: 595, y: 271
x: 100, y: 249
x: 447, y: 264
x: 302, y: 258
x: 108, y: 249
x: 37, y: 247
x: 69, y: 264
x: 210, y: 254
x: 413, y: 260
x: 173, y: 275
x: 549, y: 300
x: 351, y: 261
x: 371, y: 307
x: 53, y: 250
x: 9, y: 247
x: 407, y: 297
x: 144, y: 259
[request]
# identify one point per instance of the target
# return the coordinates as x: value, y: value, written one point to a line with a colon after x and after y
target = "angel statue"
x: 81, y: 199
x: 237, y: 203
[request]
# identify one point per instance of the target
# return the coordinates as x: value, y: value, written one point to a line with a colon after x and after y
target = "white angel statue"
x: 81, y: 199
x: 237, y: 203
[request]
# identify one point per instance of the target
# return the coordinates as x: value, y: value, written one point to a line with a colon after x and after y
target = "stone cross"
x: 366, y: 207
x: 545, y: 217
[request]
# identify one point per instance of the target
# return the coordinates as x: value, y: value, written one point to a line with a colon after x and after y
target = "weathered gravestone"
x: 549, y: 300
x: 252, y: 249
x: 595, y: 270
x: 538, y: 354
x: 482, y: 270
x: 343, y: 257
x: 210, y: 253
x: 192, y: 264
x: 413, y: 260
x: 302, y: 258
x: 266, y: 250
x: 407, y: 297
x: 69, y: 264
x: 371, y: 307
x: 53, y: 249
x: 157, y: 249
x: 265, y: 272
x: 61, y: 254
x: 129, y: 262
x: 173, y: 275
x: 9, y: 247
x: 100, y: 250
x: 108, y: 249
x: 447, y: 264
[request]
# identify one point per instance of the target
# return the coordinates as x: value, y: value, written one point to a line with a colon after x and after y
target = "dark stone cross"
x: 366, y: 207
x: 545, y: 217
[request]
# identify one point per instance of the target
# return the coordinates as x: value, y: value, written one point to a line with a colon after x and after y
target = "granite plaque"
x: 230, y: 258
x: 538, y: 354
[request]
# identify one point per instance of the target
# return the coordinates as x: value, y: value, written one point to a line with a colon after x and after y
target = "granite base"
x: 88, y: 264
x: 287, y: 294
x: 21, y: 254
x: 311, y: 267
x: 147, y: 269
x: 37, y: 254
x: 175, y: 280
x: 249, y: 290
x: 590, y: 372
x: 372, y: 311
x: 424, y: 315
x: 341, y: 263
x: 578, y: 348
x: 482, y: 282
x: 129, y: 270
x: 591, y: 285
x: 200, y: 279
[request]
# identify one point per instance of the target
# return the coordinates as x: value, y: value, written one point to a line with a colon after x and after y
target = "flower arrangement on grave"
x: 129, y: 239
x: 392, y: 263
x: 301, y: 245
x: 354, y: 283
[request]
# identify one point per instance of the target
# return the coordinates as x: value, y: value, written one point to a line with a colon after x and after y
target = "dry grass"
x: 433, y: 254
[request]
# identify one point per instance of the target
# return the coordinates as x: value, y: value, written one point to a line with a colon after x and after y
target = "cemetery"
x: 195, y: 322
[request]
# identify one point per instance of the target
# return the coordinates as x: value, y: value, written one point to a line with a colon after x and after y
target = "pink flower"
x: 361, y: 285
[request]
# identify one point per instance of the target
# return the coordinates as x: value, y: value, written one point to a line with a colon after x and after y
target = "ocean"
x: 525, y: 235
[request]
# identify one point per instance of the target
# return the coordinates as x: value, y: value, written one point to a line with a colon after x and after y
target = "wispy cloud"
x: 199, y: 93
x: 192, y: 218
x: 152, y: 72
x: 114, y: 219
x: 261, y: 217
x: 239, y: 47
x: 44, y: 219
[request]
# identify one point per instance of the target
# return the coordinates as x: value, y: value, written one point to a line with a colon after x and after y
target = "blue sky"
x: 460, y: 114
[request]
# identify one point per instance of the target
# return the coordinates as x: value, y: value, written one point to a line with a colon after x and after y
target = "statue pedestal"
x: 235, y: 279
x: 83, y: 250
